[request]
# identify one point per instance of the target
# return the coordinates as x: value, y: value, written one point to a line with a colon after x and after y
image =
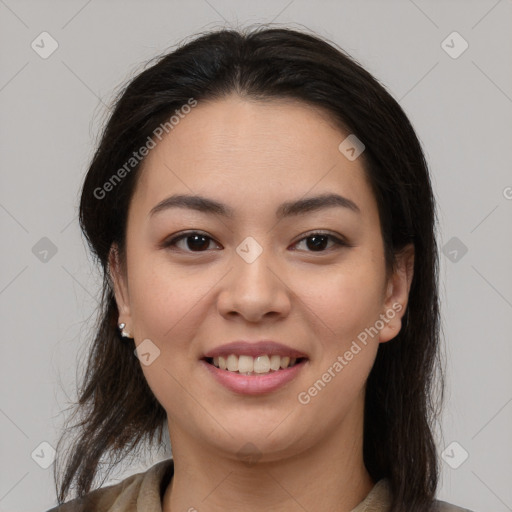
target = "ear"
x: 118, y: 276
x: 397, y: 294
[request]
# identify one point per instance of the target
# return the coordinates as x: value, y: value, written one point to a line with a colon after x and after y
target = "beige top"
x: 144, y: 492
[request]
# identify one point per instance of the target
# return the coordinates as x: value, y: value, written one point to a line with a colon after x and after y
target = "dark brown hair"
x: 117, y: 408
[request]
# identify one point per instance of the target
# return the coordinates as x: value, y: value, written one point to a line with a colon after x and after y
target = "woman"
x: 264, y: 219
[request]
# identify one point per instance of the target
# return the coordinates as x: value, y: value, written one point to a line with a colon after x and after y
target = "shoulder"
x: 380, y: 498
x: 104, y: 498
x: 443, y: 506
x: 123, y: 496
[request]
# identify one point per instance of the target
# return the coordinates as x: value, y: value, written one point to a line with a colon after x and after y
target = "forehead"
x: 251, y: 153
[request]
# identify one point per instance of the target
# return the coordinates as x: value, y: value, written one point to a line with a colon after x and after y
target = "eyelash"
x: 168, y: 244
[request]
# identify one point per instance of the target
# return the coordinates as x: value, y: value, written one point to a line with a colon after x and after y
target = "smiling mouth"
x: 248, y: 365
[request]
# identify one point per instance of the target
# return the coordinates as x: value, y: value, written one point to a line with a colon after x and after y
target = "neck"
x: 328, y: 476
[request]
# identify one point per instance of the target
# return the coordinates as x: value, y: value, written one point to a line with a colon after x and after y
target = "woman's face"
x: 309, y: 276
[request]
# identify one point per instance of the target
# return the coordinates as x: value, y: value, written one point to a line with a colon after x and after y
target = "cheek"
x: 348, y: 303
x: 168, y: 307
x: 165, y: 299
x: 347, y: 300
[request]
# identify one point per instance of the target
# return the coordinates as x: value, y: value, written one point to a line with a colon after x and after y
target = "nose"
x: 255, y: 290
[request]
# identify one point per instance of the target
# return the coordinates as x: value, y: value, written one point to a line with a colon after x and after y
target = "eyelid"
x: 339, y: 240
x: 173, y: 239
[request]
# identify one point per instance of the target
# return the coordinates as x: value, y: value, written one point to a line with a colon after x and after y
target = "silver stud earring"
x: 124, y: 334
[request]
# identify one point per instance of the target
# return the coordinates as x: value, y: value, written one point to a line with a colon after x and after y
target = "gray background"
x: 52, y: 109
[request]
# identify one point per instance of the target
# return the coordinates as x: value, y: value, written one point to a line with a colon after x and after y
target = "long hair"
x: 116, y: 407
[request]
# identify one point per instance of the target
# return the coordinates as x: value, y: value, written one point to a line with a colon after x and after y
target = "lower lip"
x: 254, y: 384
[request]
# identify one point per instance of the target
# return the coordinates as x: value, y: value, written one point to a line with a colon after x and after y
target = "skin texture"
x: 252, y: 156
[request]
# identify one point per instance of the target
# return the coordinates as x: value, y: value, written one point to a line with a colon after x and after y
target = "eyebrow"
x: 287, y: 209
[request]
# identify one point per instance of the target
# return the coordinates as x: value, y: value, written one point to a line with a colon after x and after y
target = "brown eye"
x: 192, y: 242
x: 317, y: 242
x: 198, y: 242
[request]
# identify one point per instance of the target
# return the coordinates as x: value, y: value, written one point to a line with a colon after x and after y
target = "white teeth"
x: 275, y: 362
x: 232, y: 363
x: 250, y: 365
x: 245, y: 364
x: 261, y: 364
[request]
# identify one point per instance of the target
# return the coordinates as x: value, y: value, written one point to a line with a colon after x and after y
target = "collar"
x: 156, y: 479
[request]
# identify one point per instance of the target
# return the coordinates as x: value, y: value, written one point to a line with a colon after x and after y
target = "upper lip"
x: 254, y: 349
